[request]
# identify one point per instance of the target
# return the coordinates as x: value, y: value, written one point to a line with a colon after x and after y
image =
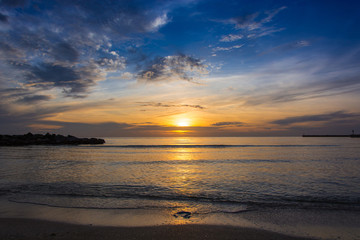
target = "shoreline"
x: 297, y: 224
x: 19, y: 228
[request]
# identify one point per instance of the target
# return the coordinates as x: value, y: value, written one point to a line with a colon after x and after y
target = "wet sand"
x: 12, y: 228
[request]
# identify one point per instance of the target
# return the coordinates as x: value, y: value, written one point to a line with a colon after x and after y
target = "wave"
x: 199, y: 161
x: 100, y: 196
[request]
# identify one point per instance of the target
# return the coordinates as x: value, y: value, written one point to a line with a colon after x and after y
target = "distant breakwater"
x: 46, y: 139
x: 351, y: 135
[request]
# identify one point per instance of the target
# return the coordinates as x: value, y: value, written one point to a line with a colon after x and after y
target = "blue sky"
x: 179, y: 68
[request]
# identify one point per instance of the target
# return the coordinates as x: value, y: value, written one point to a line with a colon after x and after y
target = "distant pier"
x: 350, y: 135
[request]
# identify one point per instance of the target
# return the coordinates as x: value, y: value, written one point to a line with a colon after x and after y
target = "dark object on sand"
x: 47, y: 139
x: 183, y: 214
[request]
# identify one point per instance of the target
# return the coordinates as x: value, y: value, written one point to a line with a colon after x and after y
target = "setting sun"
x: 183, y: 122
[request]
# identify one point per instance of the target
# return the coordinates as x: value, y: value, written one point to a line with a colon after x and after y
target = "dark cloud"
x: 225, y: 124
x: 3, y: 18
x: 71, y: 44
x: 193, y: 106
x: 34, y: 99
x: 151, y: 104
x: 65, y: 52
x: 177, y: 67
x: 14, y: 3
x: 316, y: 118
x: 22, y: 96
x: 105, y: 129
x: 71, y: 80
x: 6, y: 49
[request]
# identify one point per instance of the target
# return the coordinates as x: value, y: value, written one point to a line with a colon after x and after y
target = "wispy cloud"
x: 152, y: 104
x: 316, y: 118
x: 288, y: 46
x: 22, y: 96
x: 32, y: 99
x: 158, y: 22
x: 227, y: 48
x: 231, y: 37
x: 227, y: 124
x: 252, y: 22
x: 249, y: 26
x: 301, y: 78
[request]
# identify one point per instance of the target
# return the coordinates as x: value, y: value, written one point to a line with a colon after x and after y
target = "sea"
x: 275, y: 183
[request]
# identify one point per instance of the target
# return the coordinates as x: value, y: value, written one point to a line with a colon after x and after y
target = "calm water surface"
x: 205, y: 175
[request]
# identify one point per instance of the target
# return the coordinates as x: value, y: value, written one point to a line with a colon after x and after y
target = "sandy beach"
x: 12, y: 228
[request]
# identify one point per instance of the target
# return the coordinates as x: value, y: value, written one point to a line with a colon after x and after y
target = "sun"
x: 183, y: 122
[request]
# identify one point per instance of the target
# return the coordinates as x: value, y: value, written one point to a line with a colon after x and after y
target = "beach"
x: 29, y: 229
x: 194, y: 188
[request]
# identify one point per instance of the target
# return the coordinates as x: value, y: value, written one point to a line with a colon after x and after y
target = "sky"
x: 179, y: 68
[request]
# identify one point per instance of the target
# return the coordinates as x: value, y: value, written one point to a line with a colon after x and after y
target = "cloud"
x: 176, y: 67
x: 3, y: 18
x: 248, y: 27
x: 226, y: 124
x: 34, y: 99
x: 294, y: 79
x: 288, y: 46
x: 112, y: 62
x: 22, y: 96
x: 227, y: 48
x: 49, y: 75
x: 65, y: 52
x: 15, y: 119
x: 254, y: 21
x: 14, y: 3
x: 245, y: 21
x: 158, y: 22
x: 307, y: 90
x: 71, y: 45
x: 74, y: 81
x: 253, y: 25
x: 231, y: 37
x: 340, y: 115
x: 151, y: 104
x: 8, y: 52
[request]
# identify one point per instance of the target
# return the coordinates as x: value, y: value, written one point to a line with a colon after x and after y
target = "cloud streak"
x: 32, y: 99
x: 252, y: 25
x: 316, y: 118
x: 151, y: 104
x: 228, y: 124
x: 227, y: 48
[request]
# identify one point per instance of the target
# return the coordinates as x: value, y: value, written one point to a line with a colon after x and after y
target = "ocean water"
x: 187, y: 177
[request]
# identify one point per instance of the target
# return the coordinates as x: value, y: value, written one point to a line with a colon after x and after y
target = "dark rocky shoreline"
x: 46, y: 139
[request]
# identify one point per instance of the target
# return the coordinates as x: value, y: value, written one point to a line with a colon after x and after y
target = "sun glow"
x: 183, y: 122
